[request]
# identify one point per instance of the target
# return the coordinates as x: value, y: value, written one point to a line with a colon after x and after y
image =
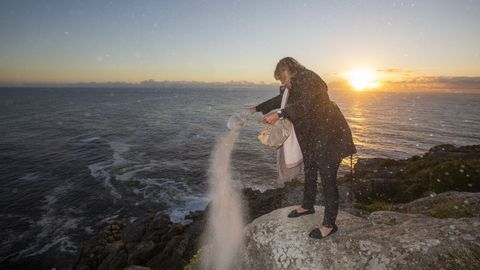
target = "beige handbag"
x: 274, y: 135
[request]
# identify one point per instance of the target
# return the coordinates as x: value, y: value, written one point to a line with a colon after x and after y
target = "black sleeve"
x: 267, y: 106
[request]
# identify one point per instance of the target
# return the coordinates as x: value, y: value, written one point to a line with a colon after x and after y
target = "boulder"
x: 259, y: 203
x: 384, y: 240
x: 151, y: 242
x: 136, y: 267
x: 453, y: 204
x: 449, y: 151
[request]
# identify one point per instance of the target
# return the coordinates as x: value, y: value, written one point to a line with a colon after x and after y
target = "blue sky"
x: 79, y: 41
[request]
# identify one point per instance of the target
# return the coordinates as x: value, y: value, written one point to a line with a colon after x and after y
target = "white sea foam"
x: 30, y: 176
x: 54, y: 227
x: 102, y: 169
x: 98, y: 170
x: 178, y: 195
x: 177, y: 214
x: 91, y: 139
x: 130, y: 172
x: 119, y: 149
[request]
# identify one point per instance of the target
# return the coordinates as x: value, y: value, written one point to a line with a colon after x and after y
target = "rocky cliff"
x: 415, y: 209
x: 384, y: 240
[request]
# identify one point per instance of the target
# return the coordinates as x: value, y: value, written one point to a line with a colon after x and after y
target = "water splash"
x: 223, y: 237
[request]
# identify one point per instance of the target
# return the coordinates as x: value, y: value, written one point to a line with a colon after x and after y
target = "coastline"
x: 154, y: 241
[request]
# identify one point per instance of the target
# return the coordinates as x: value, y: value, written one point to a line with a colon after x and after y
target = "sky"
x: 432, y: 43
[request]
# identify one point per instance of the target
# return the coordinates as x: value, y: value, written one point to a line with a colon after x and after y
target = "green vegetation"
x: 195, y: 262
x: 374, y: 206
x: 456, y: 175
x: 407, y: 180
x: 452, y: 209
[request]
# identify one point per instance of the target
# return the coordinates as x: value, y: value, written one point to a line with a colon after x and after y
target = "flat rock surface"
x: 384, y: 240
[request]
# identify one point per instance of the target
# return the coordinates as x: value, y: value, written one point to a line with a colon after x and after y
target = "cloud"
x: 436, y: 83
x: 395, y: 71
x: 396, y: 79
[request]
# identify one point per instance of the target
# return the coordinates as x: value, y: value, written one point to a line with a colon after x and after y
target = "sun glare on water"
x: 362, y: 79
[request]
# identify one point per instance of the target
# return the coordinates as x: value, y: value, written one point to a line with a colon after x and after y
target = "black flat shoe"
x: 294, y: 213
x: 315, y: 233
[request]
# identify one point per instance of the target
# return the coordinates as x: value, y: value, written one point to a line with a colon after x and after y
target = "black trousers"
x: 314, y: 164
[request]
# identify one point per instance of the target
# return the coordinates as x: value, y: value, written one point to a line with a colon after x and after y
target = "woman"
x: 323, y: 135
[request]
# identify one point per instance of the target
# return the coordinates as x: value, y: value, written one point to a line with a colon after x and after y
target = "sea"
x: 71, y: 158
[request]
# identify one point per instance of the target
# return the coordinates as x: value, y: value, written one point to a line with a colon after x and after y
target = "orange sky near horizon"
x: 408, y: 45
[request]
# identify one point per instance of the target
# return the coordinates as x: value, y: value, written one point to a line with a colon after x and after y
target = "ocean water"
x: 71, y: 158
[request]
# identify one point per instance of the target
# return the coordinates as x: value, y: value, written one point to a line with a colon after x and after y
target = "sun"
x: 362, y: 79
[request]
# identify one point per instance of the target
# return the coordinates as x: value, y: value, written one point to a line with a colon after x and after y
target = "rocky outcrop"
x: 155, y: 242
x: 259, y: 203
x: 152, y: 241
x: 449, y: 152
x: 443, y: 168
x: 450, y: 204
x: 386, y: 240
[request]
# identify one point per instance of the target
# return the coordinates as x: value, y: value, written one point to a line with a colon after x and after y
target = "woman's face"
x: 285, y: 77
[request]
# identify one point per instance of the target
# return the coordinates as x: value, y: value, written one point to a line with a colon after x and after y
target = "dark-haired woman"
x: 322, y: 132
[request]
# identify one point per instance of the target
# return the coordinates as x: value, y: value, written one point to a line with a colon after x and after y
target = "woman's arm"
x: 270, y: 104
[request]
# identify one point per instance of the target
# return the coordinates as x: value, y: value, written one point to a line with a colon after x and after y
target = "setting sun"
x: 362, y: 79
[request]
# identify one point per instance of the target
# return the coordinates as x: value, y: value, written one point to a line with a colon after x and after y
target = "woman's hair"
x: 292, y: 65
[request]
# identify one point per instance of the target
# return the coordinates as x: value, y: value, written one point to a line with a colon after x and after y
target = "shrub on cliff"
x: 398, y: 181
x: 459, y: 175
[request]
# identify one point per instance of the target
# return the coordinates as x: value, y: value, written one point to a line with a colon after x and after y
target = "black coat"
x: 319, y: 123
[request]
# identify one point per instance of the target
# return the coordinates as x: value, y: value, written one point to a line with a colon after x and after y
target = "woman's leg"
x: 328, y: 175
x: 310, y: 185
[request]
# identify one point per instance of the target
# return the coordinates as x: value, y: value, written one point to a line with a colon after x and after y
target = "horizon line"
x: 418, y: 84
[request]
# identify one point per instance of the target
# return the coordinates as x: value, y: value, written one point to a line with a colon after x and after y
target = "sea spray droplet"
x: 223, y: 237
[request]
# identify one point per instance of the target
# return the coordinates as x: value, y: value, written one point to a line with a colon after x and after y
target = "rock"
x: 377, y: 167
x: 259, y: 203
x: 386, y: 240
x: 371, y: 189
x: 448, y: 151
x: 140, y: 253
x: 136, y: 267
x: 450, y: 204
x: 134, y: 231
x: 390, y: 217
x: 156, y: 242
x: 116, y: 257
x: 152, y: 241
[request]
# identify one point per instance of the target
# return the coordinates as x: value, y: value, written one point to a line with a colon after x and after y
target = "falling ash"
x: 223, y: 237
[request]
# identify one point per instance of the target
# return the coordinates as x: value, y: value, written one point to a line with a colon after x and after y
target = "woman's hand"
x: 271, y: 117
x: 251, y: 110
